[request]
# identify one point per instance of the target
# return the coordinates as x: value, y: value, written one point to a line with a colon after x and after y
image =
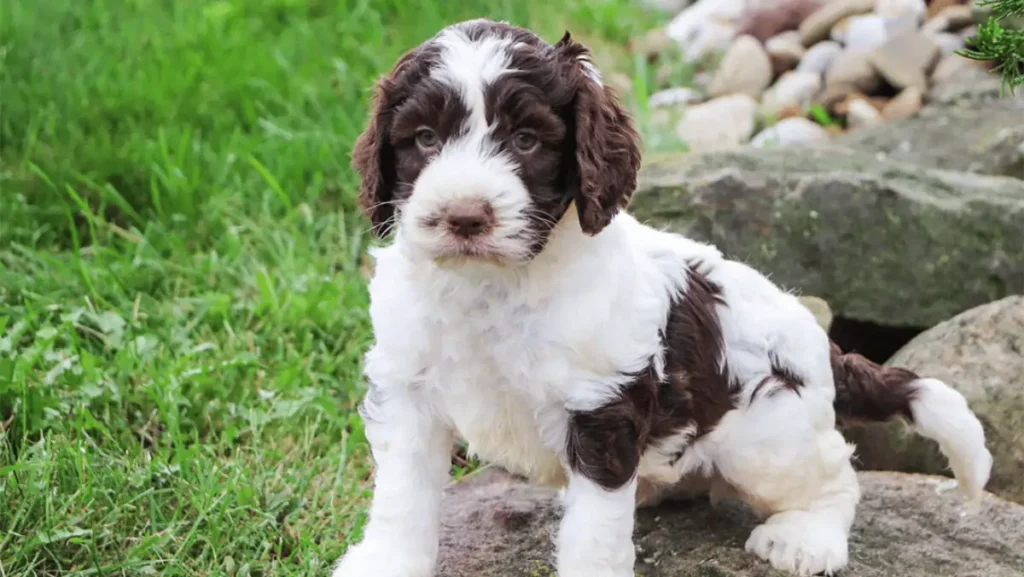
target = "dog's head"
x: 481, y: 138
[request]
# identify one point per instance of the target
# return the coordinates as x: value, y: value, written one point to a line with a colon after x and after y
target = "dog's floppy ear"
x: 373, y: 157
x: 607, y: 147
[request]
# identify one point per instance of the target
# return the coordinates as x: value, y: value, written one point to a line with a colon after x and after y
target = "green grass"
x: 182, y: 280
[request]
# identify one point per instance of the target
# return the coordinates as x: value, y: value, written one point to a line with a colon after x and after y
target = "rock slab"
x: 906, y: 526
x: 981, y: 354
x: 881, y: 241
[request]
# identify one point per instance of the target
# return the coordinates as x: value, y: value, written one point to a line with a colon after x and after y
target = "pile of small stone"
x: 804, y: 70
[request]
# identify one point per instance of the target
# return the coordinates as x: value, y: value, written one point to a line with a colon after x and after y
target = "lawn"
x: 182, y: 274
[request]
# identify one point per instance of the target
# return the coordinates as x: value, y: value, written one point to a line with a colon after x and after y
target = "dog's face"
x: 482, y: 137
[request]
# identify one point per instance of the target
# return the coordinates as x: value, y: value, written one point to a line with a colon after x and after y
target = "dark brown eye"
x: 426, y: 138
x: 524, y: 141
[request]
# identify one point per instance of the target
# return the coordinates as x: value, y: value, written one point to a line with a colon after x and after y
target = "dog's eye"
x: 426, y: 138
x: 525, y: 140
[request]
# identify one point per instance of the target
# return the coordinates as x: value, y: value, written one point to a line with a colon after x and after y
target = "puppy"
x: 519, y: 307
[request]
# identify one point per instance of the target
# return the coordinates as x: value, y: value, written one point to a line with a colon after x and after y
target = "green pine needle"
x: 1003, y: 9
x: 1004, y: 47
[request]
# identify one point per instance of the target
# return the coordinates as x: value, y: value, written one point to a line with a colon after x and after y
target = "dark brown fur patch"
x: 605, y: 444
x: 607, y: 146
x: 869, y: 392
x: 373, y: 156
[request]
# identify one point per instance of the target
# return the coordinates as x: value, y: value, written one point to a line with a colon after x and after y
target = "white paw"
x: 802, y: 543
x: 596, y: 571
x: 376, y: 560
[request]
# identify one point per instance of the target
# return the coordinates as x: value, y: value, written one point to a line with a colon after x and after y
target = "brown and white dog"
x: 519, y: 307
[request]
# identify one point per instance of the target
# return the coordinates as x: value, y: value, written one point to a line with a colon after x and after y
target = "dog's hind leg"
x: 783, y: 455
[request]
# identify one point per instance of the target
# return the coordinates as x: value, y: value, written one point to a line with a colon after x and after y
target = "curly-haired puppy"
x: 519, y: 307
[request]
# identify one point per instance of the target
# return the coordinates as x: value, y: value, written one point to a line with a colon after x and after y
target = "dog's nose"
x: 468, y: 219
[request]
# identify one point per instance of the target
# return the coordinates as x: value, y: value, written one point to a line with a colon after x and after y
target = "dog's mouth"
x: 447, y: 245
x: 456, y: 250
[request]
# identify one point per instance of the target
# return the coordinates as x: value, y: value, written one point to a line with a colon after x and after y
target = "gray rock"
x: 881, y: 241
x: 819, y: 57
x: 720, y: 124
x: 906, y: 60
x: 853, y: 69
x: 795, y: 131
x: 982, y: 136
x: 498, y: 527
x: 980, y: 353
x: 818, y: 25
x: 972, y: 85
x: 745, y: 69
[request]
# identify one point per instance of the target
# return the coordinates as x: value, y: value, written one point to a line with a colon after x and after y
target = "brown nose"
x: 468, y: 219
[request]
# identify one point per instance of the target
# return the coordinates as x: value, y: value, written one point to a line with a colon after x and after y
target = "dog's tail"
x: 869, y: 392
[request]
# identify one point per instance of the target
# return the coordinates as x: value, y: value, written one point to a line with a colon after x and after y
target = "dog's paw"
x: 374, y: 560
x: 801, y: 543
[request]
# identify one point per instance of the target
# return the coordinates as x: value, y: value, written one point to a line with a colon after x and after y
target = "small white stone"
x: 819, y: 57
x: 796, y: 131
x: 862, y: 114
x: 707, y: 26
x: 791, y: 89
x: 674, y: 96
x: 865, y: 33
x: 745, y: 69
x: 896, y: 8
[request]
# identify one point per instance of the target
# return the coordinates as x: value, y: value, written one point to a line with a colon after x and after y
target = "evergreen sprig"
x: 1003, y: 9
x: 998, y: 42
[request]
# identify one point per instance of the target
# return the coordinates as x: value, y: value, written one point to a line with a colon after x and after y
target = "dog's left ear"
x: 607, y: 147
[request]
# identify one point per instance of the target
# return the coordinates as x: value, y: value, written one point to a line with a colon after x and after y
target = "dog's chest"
x: 496, y: 373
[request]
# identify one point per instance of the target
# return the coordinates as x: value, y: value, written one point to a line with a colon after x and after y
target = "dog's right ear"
x: 373, y: 157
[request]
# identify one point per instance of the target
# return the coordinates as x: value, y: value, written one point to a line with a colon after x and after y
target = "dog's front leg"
x: 411, y: 448
x: 596, y: 535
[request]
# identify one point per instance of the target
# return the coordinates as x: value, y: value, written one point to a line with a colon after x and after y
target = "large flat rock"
x: 880, y: 240
x: 907, y: 526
